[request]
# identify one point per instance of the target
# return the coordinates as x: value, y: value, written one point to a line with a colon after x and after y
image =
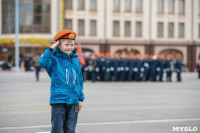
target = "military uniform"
x: 198, y: 69
x: 146, y: 67
x: 137, y: 68
x: 153, y: 66
x: 123, y: 72
x: 178, y: 66
x: 161, y: 64
x: 169, y: 69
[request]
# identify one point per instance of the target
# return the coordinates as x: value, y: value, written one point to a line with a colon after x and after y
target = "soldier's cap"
x: 65, y: 34
x: 117, y: 55
x: 150, y: 56
x: 102, y: 55
x: 108, y: 55
x: 178, y: 55
x: 130, y: 54
x: 162, y: 56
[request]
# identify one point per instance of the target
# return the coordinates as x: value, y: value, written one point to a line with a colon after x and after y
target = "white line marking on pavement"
x: 24, y: 127
x: 138, y: 122
x: 42, y: 132
x: 109, y: 123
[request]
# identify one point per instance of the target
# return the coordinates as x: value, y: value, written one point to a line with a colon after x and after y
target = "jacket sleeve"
x: 82, y: 97
x: 46, y: 60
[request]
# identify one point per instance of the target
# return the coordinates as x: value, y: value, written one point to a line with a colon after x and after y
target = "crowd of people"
x: 123, y: 67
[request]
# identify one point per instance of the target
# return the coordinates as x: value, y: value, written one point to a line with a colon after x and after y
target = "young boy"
x: 66, y: 82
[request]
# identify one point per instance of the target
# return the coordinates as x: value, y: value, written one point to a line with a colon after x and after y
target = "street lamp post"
x: 17, y: 38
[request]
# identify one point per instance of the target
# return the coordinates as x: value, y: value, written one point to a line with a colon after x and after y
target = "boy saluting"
x: 66, y: 82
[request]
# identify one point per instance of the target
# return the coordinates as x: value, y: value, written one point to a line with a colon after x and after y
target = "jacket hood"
x: 58, y: 53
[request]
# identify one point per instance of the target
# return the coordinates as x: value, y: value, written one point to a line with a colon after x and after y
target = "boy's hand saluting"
x: 56, y: 44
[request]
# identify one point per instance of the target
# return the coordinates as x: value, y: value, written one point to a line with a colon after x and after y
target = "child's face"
x: 66, y: 46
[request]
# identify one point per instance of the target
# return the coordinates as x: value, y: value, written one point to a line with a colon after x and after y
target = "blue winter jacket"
x: 66, y: 76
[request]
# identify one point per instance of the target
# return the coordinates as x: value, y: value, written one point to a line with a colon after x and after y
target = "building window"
x: 116, y: 6
x: 127, y: 28
x: 68, y: 24
x: 93, y: 5
x: 116, y: 28
x: 181, y: 30
x: 68, y: 4
x: 127, y: 5
x: 34, y: 16
x: 160, y: 29
x: 81, y: 4
x: 93, y: 27
x: 138, y: 29
x: 138, y: 6
x: 81, y: 27
x: 181, y: 6
x: 170, y: 6
x: 170, y: 29
x: 8, y: 16
x: 160, y: 6
x: 173, y: 52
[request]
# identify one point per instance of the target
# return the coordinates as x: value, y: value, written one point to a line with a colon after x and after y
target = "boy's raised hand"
x: 56, y: 44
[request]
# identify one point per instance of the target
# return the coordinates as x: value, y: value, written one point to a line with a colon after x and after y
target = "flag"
x: 80, y: 54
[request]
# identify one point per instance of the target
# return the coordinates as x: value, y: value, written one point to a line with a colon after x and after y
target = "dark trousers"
x: 37, y: 71
x: 178, y: 76
x: 64, y: 118
x: 169, y: 75
x: 161, y: 75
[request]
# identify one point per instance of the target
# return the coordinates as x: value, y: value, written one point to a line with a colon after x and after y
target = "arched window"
x: 128, y: 51
x: 173, y: 52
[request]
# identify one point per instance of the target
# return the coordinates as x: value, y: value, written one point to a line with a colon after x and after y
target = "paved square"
x: 110, y: 107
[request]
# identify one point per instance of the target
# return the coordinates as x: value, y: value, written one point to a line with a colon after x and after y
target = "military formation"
x: 130, y: 67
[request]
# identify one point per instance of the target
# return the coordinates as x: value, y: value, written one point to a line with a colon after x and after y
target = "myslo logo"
x: 185, y: 129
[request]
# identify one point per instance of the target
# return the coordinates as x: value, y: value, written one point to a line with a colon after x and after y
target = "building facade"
x: 37, y: 25
x: 109, y: 26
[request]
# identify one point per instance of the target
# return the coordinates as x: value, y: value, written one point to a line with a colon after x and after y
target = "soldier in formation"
x: 130, y: 67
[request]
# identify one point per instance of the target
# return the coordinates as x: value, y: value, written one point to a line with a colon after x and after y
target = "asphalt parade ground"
x: 109, y: 107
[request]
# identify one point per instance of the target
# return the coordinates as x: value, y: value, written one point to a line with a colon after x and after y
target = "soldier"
x: 86, y: 68
x: 178, y: 67
x: 131, y: 65
x: 123, y: 63
x: 138, y: 66
x: 107, y: 75
x: 153, y: 66
x: 198, y: 68
x: 169, y: 65
x: 102, y: 67
x: 92, y: 64
x: 97, y: 68
x: 161, y: 64
x: 146, y: 67
x: 114, y: 67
